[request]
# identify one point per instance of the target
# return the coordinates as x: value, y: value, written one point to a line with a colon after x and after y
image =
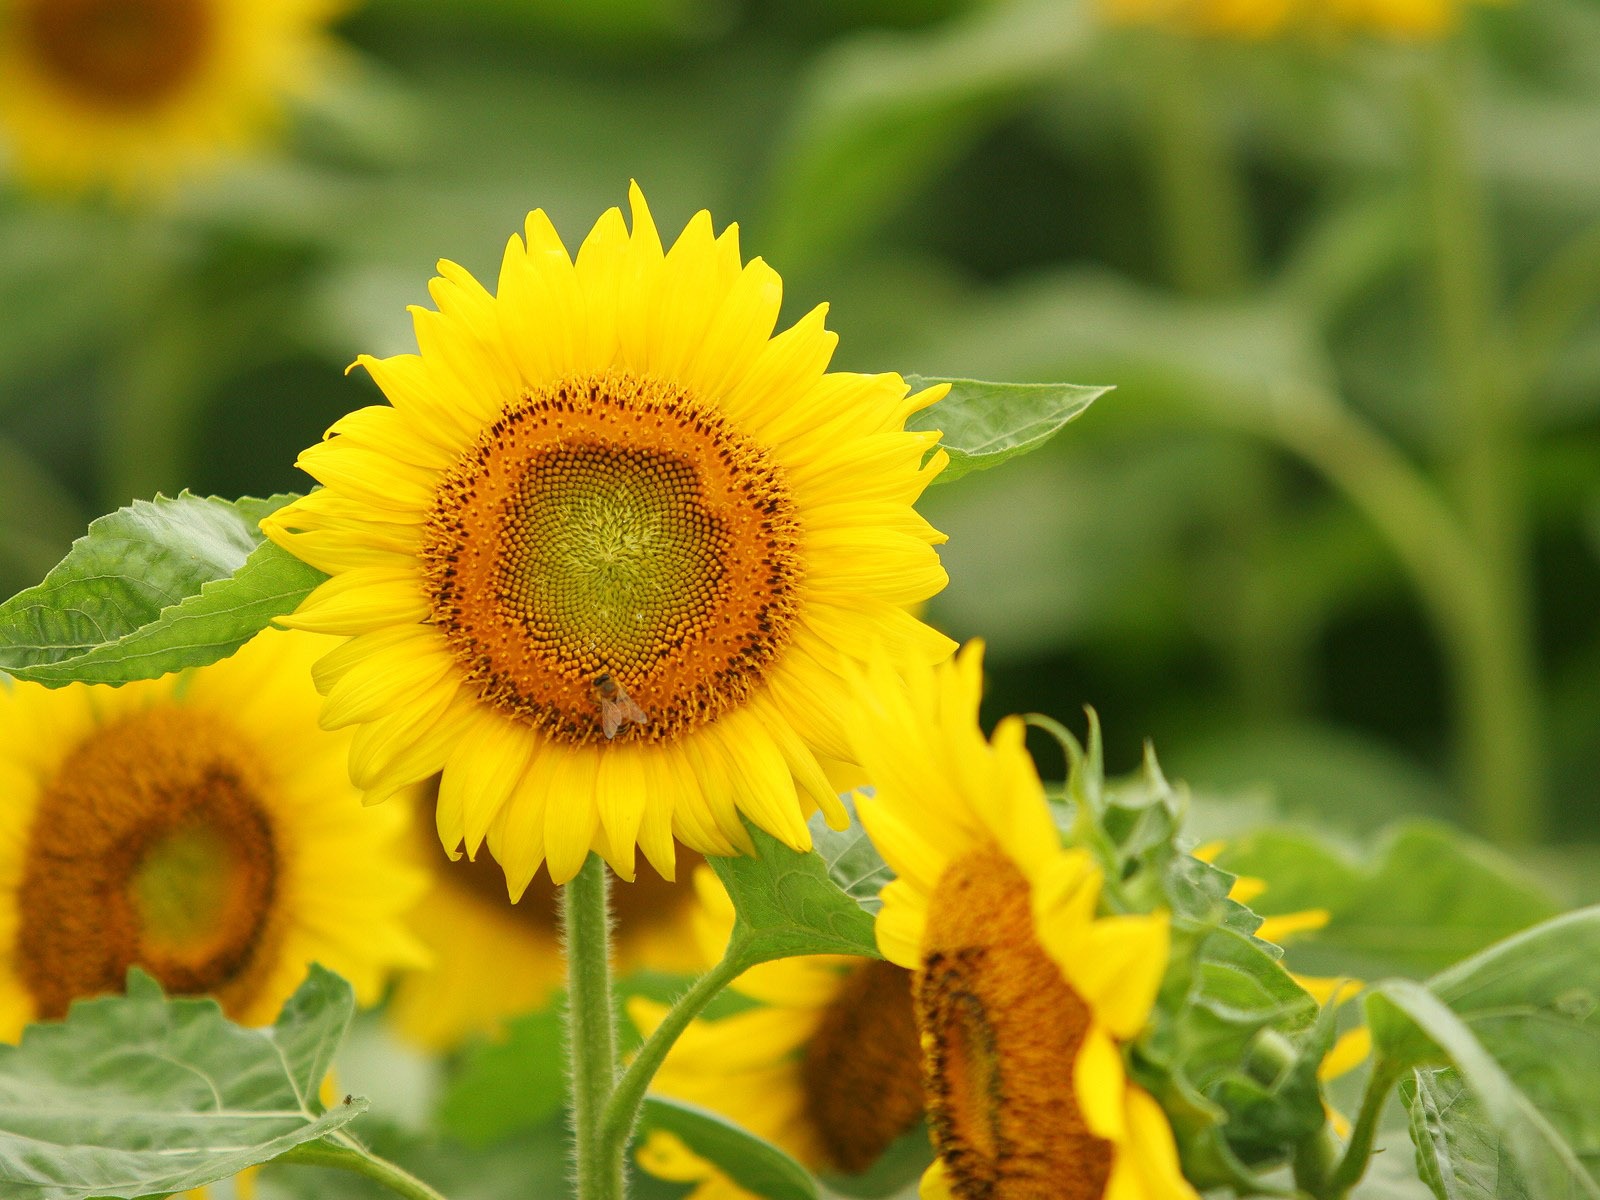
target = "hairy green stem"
x: 1497, y: 681
x: 351, y: 1157
x: 622, y: 1111
x: 591, y: 1029
x: 1353, y: 1165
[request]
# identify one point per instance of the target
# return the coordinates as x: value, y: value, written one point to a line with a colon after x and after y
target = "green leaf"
x: 788, y: 904
x: 155, y: 587
x: 1426, y: 897
x: 1412, y: 1026
x: 513, y: 1083
x: 139, y: 1095
x: 1459, y: 1154
x: 753, y: 1164
x: 983, y: 424
x: 853, y: 862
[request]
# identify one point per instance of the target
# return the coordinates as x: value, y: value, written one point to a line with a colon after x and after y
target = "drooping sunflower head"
x: 132, y: 94
x: 198, y: 826
x: 607, y: 556
x: 1024, y: 993
x: 825, y: 1064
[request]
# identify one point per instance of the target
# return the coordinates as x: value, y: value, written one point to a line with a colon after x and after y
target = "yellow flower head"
x: 1403, y: 20
x: 607, y: 557
x: 826, y: 1066
x: 1023, y: 993
x: 131, y: 94
x: 490, y: 960
x: 199, y: 826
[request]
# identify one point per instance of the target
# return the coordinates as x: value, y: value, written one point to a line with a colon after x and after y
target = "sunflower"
x: 130, y: 94
x: 826, y: 1065
x: 491, y: 960
x: 199, y: 826
x: 610, y: 554
x: 1023, y: 994
x: 1250, y: 20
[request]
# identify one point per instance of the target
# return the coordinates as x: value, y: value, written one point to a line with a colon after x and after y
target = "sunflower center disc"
x: 148, y: 848
x: 118, y: 54
x: 1003, y: 1030
x: 609, y: 543
x: 860, y: 1072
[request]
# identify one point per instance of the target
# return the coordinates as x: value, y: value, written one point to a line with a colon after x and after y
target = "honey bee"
x: 616, y: 706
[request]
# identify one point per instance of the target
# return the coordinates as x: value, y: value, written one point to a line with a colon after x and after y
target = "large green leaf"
x: 852, y: 860
x: 140, y: 1095
x: 983, y: 424
x: 787, y: 904
x: 1459, y: 1155
x: 753, y: 1164
x: 155, y: 587
x: 1425, y: 897
x: 1411, y: 1025
x: 1520, y: 1024
x: 516, y: 1082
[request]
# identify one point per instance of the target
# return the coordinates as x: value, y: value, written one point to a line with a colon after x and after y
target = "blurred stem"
x: 1353, y: 1165
x: 1497, y: 679
x: 622, y: 1112
x: 153, y: 402
x: 1197, y: 187
x: 1554, y: 299
x: 349, y: 1156
x: 591, y: 1028
x: 1314, y: 1159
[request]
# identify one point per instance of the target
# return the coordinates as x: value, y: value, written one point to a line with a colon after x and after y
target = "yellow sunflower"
x: 200, y: 826
x: 131, y: 94
x: 1399, y: 20
x: 607, y: 557
x: 491, y: 960
x: 825, y: 1066
x: 1024, y: 995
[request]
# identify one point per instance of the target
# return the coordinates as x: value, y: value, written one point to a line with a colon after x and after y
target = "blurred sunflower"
x: 491, y: 959
x: 131, y: 94
x: 609, y: 556
x: 1401, y: 20
x: 199, y: 826
x: 825, y: 1066
x: 1023, y: 993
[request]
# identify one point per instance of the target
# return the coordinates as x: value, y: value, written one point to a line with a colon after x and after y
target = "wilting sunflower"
x: 1024, y: 995
x: 826, y: 1065
x: 490, y: 959
x: 200, y: 826
x: 132, y: 94
x: 609, y: 554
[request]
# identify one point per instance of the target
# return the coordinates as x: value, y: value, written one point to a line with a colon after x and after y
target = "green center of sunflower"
x: 118, y: 54
x: 860, y: 1070
x: 148, y: 848
x: 612, y: 559
x: 1002, y: 1031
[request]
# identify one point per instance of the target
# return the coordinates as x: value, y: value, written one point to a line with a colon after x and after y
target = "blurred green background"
x: 1334, y: 539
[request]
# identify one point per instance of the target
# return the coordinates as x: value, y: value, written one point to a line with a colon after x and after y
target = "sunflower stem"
x: 591, y: 1029
x: 351, y: 1157
x: 622, y: 1112
x: 1353, y: 1165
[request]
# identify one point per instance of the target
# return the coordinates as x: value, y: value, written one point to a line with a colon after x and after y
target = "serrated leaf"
x: 787, y: 904
x: 141, y: 1095
x: 983, y: 424
x: 157, y: 586
x: 753, y: 1164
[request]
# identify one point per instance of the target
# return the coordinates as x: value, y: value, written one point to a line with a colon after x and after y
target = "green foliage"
x: 139, y: 1095
x: 788, y: 903
x: 515, y: 1082
x: 155, y: 587
x: 1459, y: 1154
x: 983, y: 424
x: 1426, y: 896
x: 1520, y: 1025
x: 753, y: 1164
